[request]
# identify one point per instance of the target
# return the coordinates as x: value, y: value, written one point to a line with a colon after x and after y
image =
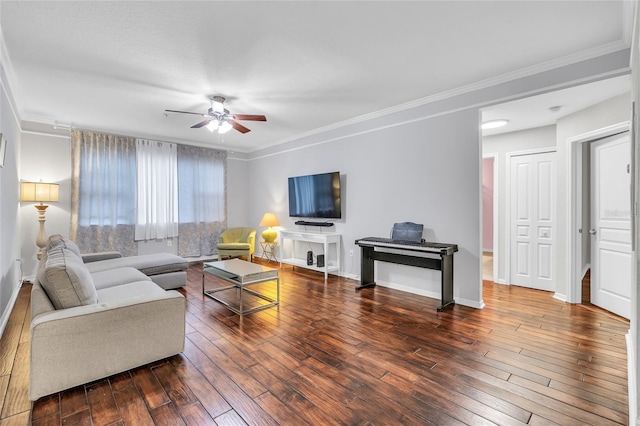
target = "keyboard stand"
x: 444, y: 264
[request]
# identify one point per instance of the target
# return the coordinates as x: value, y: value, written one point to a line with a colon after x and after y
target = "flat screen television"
x: 315, y: 196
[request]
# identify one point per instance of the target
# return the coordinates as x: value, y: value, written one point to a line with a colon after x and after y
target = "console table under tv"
x: 327, y: 239
x: 404, y: 253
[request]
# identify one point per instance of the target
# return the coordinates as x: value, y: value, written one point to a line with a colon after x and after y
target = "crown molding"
x: 462, y: 90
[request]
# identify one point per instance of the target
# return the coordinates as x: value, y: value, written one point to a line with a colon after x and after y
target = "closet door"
x: 532, y: 225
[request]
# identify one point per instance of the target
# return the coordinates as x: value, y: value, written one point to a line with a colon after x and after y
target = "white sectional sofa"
x: 89, y: 325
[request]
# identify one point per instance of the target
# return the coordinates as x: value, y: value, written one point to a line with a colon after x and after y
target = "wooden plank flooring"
x: 332, y: 356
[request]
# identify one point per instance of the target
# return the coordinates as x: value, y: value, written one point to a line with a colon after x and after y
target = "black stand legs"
x: 366, y: 268
x: 443, y: 264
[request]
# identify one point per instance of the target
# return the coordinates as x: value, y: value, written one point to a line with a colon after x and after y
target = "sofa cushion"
x: 148, y: 264
x: 125, y: 291
x: 66, y: 280
x: 58, y: 240
x: 117, y: 276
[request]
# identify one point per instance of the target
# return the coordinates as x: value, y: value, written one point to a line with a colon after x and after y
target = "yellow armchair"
x: 236, y: 242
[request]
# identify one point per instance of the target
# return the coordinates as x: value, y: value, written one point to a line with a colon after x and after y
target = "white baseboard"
x: 431, y: 294
x: 7, y: 312
x: 470, y: 303
x: 631, y: 381
x: 560, y: 296
x: 350, y: 276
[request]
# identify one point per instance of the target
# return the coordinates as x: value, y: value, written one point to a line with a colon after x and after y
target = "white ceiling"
x: 116, y: 66
x: 535, y: 111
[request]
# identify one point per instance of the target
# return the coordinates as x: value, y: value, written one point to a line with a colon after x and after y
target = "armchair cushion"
x: 66, y: 280
x: 234, y: 246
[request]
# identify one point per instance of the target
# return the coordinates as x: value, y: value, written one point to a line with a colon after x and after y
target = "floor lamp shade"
x: 40, y: 192
x: 269, y: 219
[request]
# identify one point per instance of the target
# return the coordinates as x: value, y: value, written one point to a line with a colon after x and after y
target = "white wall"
x: 10, y: 277
x: 392, y: 175
x: 38, y: 153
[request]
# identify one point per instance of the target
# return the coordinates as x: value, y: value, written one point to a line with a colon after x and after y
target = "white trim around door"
x: 574, y: 204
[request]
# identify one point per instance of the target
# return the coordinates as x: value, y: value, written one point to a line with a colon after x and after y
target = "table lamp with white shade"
x: 269, y: 219
x: 39, y: 192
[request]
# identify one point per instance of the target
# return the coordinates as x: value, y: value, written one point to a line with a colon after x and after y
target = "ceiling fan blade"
x: 249, y: 117
x: 186, y: 112
x: 201, y: 124
x: 239, y: 127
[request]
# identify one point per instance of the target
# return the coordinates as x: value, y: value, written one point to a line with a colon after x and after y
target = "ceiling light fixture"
x: 555, y: 108
x: 217, y: 104
x: 494, y: 124
x: 213, y: 125
x: 224, y: 127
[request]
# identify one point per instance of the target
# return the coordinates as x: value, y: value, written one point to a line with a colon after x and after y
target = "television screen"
x: 315, y: 196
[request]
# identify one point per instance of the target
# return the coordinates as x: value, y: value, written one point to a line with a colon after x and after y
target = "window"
x: 157, y: 190
x: 106, y: 181
x: 103, y: 190
x: 202, y: 199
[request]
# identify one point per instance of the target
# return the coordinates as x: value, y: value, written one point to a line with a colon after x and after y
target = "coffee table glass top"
x: 242, y: 271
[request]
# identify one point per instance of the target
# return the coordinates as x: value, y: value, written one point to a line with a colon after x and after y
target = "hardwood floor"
x: 330, y: 355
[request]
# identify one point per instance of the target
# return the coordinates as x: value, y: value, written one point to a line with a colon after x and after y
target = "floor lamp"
x: 39, y: 192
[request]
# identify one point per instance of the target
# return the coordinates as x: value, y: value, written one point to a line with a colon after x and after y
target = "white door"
x: 611, y: 224
x: 532, y: 207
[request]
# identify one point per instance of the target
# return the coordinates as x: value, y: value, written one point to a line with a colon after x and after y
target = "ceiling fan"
x: 219, y: 118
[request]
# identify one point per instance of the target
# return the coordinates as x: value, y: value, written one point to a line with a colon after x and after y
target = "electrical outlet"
x: 169, y: 243
x: 351, y: 252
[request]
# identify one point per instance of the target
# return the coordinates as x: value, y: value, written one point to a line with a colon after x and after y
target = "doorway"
x: 579, y: 203
x: 489, y: 213
x: 532, y: 124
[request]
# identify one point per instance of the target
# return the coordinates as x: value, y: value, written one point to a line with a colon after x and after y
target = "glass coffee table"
x: 241, y: 274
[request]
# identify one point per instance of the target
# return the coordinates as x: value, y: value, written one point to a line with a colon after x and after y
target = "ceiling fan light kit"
x: 219, y: 118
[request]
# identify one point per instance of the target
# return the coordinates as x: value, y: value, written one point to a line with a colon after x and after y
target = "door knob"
x: 592, y: 231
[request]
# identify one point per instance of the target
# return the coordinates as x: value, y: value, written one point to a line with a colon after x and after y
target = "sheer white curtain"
x: 202, y: 179
x: 157, y: 190
x: 103, y: 192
